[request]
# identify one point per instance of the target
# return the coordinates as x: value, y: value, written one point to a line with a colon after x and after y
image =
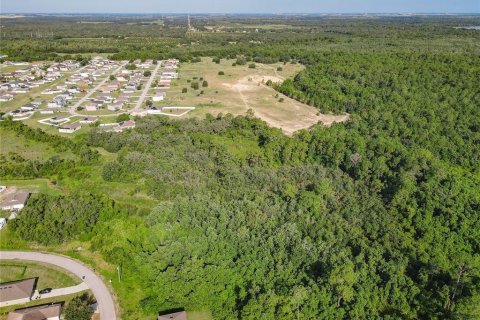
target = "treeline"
x: 276, y: 40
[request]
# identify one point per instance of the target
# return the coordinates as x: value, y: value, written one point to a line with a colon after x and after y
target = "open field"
x: 243, y: 88
x: 33, y: 185
x: 32, y: 150
x: 48, y: 276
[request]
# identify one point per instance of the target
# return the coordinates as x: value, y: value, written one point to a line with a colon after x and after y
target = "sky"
x: 240, y: 6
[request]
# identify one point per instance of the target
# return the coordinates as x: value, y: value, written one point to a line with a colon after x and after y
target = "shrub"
x: 281, y: 100
x: 184, y: 90
x: 147, y: 73
x: 123, y: 117
x: 252, y: 66
x: 221, y: 73
x: 241, y: 61
x: 79, y: 308
x: 195, y: 85
x: 279, y: 69
x: 205, y: 83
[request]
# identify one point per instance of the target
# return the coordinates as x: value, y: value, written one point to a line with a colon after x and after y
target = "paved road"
x: 73, y: 109
x: 147, y: 87
x: 103, y: 296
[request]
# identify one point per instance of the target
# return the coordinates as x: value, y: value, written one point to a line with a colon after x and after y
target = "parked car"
x: 46, y: 290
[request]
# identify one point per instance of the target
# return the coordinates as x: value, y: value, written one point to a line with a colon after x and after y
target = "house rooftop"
x: 37, y: 313
x: 15, y: 290
x: 182, y: 315
x: 71, y: 126
x: 19, y: 197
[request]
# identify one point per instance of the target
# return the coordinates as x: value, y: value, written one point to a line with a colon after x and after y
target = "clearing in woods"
x: 242, y: 88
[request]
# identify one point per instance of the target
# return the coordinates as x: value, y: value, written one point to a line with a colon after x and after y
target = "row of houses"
x: 23, y: 80
x: 169, y: 73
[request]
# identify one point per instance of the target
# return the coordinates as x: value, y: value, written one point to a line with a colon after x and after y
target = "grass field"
x: 242, y: 88
x: 48, y: 276
x: 30, y: 150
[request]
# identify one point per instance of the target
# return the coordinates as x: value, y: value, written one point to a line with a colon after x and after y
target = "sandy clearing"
x: 254, y: 94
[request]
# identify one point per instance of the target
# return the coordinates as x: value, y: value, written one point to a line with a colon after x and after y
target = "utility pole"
x: 118, y: 271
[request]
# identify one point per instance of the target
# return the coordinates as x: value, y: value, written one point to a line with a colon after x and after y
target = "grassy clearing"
x: 31, y: 150
x: 242, y: 88
x: 48, y: 276
x: 33, y: 185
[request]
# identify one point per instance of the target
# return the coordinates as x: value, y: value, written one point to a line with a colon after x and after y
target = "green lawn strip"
x: 49, y: 276
x: 39, y: 185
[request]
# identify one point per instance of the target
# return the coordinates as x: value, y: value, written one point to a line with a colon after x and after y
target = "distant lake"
x: 472, y: 28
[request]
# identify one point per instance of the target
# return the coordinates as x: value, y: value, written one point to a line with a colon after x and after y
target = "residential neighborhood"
x: 99, y: 90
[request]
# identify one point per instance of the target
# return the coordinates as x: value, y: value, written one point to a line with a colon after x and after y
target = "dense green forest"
x: 375, y: 218
x: 262, y: 38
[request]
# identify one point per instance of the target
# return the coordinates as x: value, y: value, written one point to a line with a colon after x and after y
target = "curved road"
x: 103, y: 296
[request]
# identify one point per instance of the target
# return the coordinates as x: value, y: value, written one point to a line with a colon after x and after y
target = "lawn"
x: 31, y: 150
x: 48, y: 276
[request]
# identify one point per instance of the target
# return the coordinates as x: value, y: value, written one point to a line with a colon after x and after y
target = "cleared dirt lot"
x: 242, y: 88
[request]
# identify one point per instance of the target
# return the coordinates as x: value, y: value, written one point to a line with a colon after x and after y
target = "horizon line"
x: 251, y: 13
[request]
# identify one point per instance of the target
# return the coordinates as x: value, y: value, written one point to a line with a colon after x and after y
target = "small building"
x: 15, y: 201
x: 28, y: 107
x: 92, y: 107
x: 158, y: 97
x: 129, y: 124
x: 154, y: 110
x: 6, y: 97
x: 115, y: 106
x: 47, y: 111
x: 42, y: 312
x: 182, y: 315
x: 88, y: 120
x: 14, y: 292
x: 70, y: 128
x: 3, y: 223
